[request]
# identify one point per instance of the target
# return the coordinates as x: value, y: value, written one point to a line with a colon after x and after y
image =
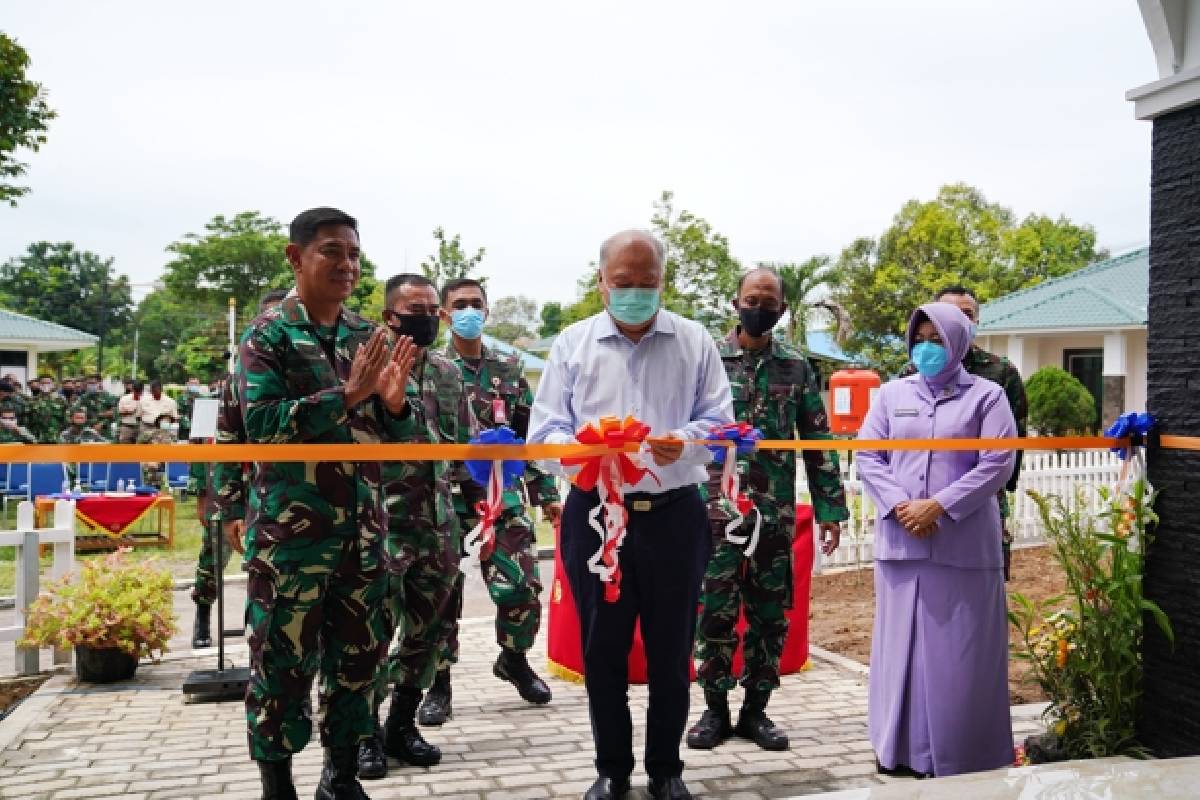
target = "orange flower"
x: 1061, y: 658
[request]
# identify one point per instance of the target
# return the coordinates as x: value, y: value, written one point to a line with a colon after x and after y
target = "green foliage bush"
x: 115, y: 601
x: 1058, y: 403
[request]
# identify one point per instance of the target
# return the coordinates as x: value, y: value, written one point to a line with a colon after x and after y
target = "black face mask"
x: 757, y: 320
x: 422, y: 328
x: 68, y: 392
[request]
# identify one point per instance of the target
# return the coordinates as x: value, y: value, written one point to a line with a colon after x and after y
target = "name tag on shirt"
x: 906, y: 412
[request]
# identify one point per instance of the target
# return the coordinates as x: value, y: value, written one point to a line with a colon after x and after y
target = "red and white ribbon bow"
x: 481, y: 541
x: 740, y: 502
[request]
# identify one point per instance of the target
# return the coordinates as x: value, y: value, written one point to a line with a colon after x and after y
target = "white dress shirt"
x: 672, y: 380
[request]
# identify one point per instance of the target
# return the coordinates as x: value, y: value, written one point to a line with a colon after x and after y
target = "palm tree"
x: 799, y: 282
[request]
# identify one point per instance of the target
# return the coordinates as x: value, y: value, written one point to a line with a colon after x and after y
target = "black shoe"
x: 402, y: 740
x: 201, y: 626
x: 755, y: 725
x: 277, y: 780
x: 436, y: 708
x: 607, y: 789
x: 372, y: 764
x: 714, y: 726
x: 673, y: 788
x: 513, y: 667
x: 901, y: 771
x: 339, y: 778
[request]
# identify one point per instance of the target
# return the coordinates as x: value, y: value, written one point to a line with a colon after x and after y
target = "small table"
x: 120, y: 512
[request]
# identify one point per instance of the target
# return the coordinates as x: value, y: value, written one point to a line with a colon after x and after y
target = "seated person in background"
x: 11, y: 432
x: 77, y: 430
x: 162, y: 432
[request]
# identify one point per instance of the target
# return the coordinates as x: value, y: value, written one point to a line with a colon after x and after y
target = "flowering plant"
x: 114, y: 602
x: 1084, y: 647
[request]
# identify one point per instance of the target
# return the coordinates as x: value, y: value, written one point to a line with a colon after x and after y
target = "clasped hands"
x: 919, y: 517
x: 377, y: 371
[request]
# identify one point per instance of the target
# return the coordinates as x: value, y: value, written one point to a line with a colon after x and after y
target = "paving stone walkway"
x: 140, y: 739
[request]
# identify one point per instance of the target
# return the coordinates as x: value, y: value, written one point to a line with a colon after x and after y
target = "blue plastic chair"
x: 130, y: 472
x: 18, y: 484
x: 97, y: 471
x: 46, y: 479
x: 177, y: 476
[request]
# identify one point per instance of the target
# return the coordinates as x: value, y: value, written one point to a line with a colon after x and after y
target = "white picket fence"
x: 1044, y: 472
x: 28, y: 541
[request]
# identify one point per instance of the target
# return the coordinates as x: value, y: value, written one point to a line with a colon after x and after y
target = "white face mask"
x: 166, y: 426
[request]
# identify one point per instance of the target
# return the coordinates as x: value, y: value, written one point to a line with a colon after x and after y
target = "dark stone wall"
x: 1170, y: 722
x: 1114, y: 400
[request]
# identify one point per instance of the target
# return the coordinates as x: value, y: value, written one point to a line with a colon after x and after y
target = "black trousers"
x: 662, y: 562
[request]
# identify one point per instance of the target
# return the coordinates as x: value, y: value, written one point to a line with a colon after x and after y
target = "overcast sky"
x: 536, y: 129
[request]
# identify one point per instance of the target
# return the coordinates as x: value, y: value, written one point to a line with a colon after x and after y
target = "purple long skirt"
x: 938, y: 699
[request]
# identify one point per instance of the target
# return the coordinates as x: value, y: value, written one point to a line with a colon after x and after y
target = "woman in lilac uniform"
x: 938, y: 701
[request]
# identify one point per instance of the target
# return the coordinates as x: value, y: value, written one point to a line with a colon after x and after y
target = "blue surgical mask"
x: 467, y: 322
x: 632, y: 306
x: 929, y: 358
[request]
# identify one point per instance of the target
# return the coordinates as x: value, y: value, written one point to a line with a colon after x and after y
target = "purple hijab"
x: 954, y: 328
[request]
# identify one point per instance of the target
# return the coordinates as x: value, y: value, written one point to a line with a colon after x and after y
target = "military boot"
x: 201, y: 636
x: 514, y: 667
x: 714, y: 726
x: 755, y: 725
x: 372, y: 764
x: 401, y: 738
x: 436, y: 708
x: 277, y: 780
x: 339, y: 778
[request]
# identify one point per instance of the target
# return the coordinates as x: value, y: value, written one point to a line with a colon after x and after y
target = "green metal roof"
x: 1107, y: 294
x: 20, y: 328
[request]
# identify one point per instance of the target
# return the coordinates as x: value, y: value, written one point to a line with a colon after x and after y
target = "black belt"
x: 651, y: 501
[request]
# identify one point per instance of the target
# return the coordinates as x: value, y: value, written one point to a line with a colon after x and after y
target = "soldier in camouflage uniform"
x: 101, y: 406
x: 999, y: 370
x: 11, y: 431
x: 46, y: 414
x: 312, y: 372
x: 220, y: 497
x: 11, y: 399
x: 422, y: 544
x: 78, y: 432
x: 498, y: 395
x: 776, y: 390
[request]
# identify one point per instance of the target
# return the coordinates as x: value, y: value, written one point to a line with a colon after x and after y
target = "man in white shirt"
x: 155, y: 405
x: 129, y: 413
x: 636, y: 358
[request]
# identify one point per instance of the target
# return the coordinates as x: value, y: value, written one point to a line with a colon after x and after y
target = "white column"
x: 1116, y: 355
x: 31, y: 365
x: 1023, y: 353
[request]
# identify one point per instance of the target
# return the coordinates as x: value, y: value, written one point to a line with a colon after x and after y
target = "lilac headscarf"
x: 955, y: 329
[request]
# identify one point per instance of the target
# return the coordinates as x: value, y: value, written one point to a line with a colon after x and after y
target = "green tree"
x: 451, y: 261
x: 590, y: 302
x: 512, y: 318
x: 552, y: 319
x: 1058, y: 403
x: 800, y: 282
x: 77, y: 288
x: 957, y: 238
x: 701, y: 274
x: 24, y: 117
x: 235, y: 257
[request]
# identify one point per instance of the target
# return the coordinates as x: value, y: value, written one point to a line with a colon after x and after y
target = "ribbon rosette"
x: 1130, y: 424
x: 608, y: 474
x: 743, y: 438
x: 494, y: 476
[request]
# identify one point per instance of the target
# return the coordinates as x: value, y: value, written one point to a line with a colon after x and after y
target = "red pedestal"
x: 565, y: 651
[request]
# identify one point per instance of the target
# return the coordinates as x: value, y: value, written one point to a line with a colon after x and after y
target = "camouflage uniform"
x: 17, y: 435
x: 511, y: 574
x: 85, y: 435
x: 315, y: 592
x: 153, y: 472
x: 778, y: 391
x: 999, y: 370
x: 101, y: 409
x: 422, y: 548
x: 46, y: 416
x: 15, y: 403
x: 221, y: 490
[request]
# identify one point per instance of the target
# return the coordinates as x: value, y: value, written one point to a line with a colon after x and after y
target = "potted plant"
x: 1085, y: 647
x: 114, y: 612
